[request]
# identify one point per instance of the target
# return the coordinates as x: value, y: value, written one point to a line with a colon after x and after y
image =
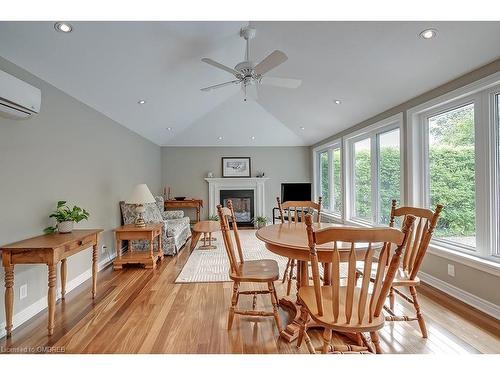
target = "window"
x: 454, y: 160
x: 324, y: 179
x: 497, y: 118
x: 451, y: 174
x: 337, y: 180
x: 389, y: 173
x: 375, y: 177
x: 328, y: 180
x: 362, y: 180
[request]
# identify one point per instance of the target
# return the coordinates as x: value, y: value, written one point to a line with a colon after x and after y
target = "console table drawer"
x: 89, y: 240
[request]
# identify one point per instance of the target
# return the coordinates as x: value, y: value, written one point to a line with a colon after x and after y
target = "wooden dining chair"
x: 263, y: 271
x: 406, y: 275
x: 293, y: 212
x: 351, y: 308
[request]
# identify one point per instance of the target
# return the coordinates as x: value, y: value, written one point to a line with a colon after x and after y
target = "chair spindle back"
x: 357, y: 299
x: 419, y: 239
x: 224, y: 214
x: 293, y: 208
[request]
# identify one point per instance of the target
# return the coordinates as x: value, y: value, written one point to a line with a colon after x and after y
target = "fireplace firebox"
x: 243, y: 205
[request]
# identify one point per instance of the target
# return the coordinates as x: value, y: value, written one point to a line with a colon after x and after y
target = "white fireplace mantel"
x: 257, y: 184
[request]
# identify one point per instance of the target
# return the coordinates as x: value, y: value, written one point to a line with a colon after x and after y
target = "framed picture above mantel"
x: 236, y: 167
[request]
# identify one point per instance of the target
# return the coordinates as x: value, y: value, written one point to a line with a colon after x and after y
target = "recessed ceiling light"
x: 142, y: 101
x: 252, y: 137
x: 220, y: 138
x: 170, y: 129
x: 428, y: 34
x: 63, y: 27
x: 302, y: 128
x: 337, y: 101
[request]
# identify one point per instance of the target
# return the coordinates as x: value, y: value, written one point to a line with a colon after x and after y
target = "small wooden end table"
x: 131, y: 232
x: 204, y: 227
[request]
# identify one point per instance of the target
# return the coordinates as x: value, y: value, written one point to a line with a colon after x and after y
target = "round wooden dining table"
x: 290, y: 240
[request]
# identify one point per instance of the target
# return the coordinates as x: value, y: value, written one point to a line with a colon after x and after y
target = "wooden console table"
x: 186, y: 203
x: 47, y: 249
x: 129, y: 233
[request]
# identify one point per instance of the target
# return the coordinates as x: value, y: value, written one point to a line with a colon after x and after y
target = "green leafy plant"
x: 64, y: 213
x: 213, y: 218
x: 259, y: 220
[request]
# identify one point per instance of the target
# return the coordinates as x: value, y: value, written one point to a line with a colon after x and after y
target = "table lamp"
x: 140, y: 195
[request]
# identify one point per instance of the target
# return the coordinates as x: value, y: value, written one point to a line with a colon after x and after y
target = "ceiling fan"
x: 250, y: 75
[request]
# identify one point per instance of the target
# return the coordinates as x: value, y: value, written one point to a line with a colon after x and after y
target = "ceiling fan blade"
x: 289, y: 83
x: 210, y: 88
x: 220, y: 66
x: 272, y: 60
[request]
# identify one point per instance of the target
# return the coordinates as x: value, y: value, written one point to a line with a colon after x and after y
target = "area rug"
x: 205, y: 266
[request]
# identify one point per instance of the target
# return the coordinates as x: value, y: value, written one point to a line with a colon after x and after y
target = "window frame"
x: 482, y: 94
x: 372, y: 132
x: 426, y: 197
x: 328, y: 147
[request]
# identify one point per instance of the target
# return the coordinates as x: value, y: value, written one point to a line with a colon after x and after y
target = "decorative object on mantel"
x: 236, y: 167
x: 259, y: 221
x: 210, y: 174
x: 66, y: 217
x: 260, y: 174
x: 140, y: 195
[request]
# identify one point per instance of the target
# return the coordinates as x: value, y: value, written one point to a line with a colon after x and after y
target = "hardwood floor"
x: 144, y: 311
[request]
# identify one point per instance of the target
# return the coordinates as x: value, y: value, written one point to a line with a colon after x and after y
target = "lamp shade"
x: 141, y: 195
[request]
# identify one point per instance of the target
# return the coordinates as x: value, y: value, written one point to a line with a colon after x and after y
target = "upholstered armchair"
x: 176, y: 229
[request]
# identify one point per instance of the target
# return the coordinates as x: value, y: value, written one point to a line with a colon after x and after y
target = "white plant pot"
x: 65, y: 226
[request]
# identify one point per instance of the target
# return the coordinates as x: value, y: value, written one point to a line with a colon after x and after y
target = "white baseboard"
x: 462, y: 295
x: 33, y: 309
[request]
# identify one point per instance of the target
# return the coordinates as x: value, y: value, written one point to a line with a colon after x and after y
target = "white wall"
x: 184, y: 168
x: 67, y: 152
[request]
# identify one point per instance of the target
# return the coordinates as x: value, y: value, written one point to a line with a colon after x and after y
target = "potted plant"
x: 213, y: 218
x: 66, y: 217
x: 259, y: 221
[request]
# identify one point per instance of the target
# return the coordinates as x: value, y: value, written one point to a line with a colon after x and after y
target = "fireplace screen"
x: 243, y: 204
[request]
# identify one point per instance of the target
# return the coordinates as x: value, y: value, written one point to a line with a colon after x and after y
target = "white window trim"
x: 480, y: 92
x: 390, y: 123
x: 327, y: 147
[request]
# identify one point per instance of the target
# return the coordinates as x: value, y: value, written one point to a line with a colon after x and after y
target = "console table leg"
x: 94, y: 270
x: 63, y: 278
x: 9, y: 298
x: 51, y: 297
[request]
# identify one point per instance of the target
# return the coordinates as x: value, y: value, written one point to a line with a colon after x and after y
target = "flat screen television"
x: 296, y: 191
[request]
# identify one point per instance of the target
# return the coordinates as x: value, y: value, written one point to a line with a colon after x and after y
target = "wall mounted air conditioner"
x: 18, y: 99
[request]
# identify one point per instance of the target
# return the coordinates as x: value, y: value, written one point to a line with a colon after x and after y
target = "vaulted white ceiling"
x: 370, y: 66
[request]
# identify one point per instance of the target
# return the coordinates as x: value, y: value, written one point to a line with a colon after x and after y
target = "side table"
x: 129, y: 233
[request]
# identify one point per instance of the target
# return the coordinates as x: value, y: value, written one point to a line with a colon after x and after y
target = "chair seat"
x: 262, y: 270
x: 402, y: 277
x: 308, y: 298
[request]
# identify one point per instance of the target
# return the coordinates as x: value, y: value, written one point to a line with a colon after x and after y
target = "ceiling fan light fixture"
x: 337, y: 101
x: 141, y: 102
